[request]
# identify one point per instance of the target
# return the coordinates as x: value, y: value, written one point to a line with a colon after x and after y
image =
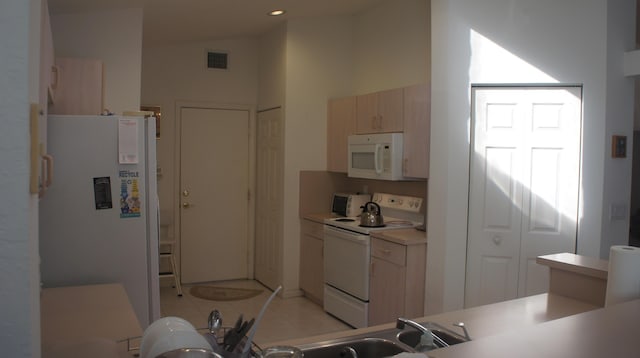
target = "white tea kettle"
x: 371, y: 216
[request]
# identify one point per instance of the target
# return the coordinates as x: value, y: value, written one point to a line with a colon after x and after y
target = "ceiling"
x: 174, y: 21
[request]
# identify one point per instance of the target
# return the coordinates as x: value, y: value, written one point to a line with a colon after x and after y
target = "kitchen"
x: 446, y: 185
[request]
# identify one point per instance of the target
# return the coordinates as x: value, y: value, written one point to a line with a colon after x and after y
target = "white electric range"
x: 347, y: 255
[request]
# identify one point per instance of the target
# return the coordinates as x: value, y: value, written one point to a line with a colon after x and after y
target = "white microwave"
x: 345, y: 204
x: 376, y: 156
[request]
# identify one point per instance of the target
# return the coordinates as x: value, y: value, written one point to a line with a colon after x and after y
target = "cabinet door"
x: 417, y: 131
x: 387, y: 291
x: 391, y: 110
x: 79, y: 87
x: 380, y: 112
x: 367, y: 113
x: 311, y: 261
x: 341, y: 122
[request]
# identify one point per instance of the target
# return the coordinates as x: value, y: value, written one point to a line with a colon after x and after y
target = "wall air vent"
x: 217, y: 60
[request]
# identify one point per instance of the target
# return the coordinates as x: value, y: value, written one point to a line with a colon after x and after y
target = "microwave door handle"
x: 378, y: 158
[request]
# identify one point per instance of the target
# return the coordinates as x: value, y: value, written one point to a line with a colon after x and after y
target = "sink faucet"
x: 401, y: 322
x: 464, y: 328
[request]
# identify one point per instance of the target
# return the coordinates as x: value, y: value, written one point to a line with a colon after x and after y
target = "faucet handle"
x: 464, y: 328
x: 214, y: 322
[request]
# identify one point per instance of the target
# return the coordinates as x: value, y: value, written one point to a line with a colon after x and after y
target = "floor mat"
x: 215, y: 293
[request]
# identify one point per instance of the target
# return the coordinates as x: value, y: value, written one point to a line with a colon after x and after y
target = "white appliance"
x: 345, y: 204
x: 375, y: 156
x: 347, y: 256
x: 99, y: 218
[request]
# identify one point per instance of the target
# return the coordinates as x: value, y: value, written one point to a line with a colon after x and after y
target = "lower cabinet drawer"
x: 389, y: 251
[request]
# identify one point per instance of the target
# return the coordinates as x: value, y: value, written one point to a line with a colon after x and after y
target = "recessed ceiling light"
x: 276, y: 12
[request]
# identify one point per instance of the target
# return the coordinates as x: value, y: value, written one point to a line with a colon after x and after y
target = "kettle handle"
x: 365, y: 207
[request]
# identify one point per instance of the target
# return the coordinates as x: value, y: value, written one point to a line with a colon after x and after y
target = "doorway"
x: 214, y: 193
x: 523, y: 188
x: 269, y: 197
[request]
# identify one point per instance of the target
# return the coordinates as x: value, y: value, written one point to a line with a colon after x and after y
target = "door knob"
x: 497, y: 239
x: 185, y: 204
x: 185, y: 193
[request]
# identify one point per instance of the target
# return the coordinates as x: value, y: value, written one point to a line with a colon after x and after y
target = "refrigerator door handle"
x: 47, y: 174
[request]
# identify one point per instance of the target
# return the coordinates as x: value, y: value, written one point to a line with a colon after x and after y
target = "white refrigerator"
x: 99, y: 218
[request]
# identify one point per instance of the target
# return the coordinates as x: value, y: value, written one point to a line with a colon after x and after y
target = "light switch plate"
x: 619, y: 146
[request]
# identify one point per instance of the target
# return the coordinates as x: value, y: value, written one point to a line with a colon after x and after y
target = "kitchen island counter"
x: 605, y: 332
x: 484, y: 322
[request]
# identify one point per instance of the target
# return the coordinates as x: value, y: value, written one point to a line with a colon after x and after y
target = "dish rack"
x: 133, y: 344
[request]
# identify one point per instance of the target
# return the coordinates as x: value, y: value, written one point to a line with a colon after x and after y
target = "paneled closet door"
x: 269, y: 198
x: 524, y: 178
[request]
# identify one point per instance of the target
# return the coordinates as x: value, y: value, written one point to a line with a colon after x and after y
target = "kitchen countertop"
x: 319, y: 217
x: 485, y: 321
x: 89, y: 321
x: 605, y: 332
x: 583, y: 265
x: 402, y: 236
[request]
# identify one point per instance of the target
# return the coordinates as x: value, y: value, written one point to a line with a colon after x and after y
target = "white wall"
x: 620, y: 97
x: 392, y: 45
x: 272, y: 68
x: 543, y: 41
x: 178, y: 73
x: 115, y: 37
x: 19, y: 271
x: 318, y: 66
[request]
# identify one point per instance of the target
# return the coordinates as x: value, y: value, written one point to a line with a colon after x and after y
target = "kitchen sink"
x: 364, y: 347
x: 412, y: 337
x: 383, y: 343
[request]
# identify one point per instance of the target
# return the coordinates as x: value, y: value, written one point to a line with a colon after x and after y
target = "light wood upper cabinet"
x: 417, y: 131
x: 406, y: 110
x: 380, y: 112
x: 341, y: 122
x: 78, y: 86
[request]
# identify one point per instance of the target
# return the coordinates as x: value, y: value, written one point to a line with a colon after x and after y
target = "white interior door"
x: 269, y: 198
x: 524, y: 184
x: 214, y: 182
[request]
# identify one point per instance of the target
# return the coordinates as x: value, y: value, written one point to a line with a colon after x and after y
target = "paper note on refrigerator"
x: 128, y: 141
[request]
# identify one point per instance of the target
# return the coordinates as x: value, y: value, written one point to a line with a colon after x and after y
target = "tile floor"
x: 288, y: 318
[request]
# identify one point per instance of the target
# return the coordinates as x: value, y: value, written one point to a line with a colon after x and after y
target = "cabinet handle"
x: 54, y: 72
x: 372, y: 269
x: 49, y: 160
x: 386, y: 252
x: 46, y: 167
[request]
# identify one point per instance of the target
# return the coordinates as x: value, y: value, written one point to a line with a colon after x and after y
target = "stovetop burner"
x: 345, y: 220
x: 373, y: 226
